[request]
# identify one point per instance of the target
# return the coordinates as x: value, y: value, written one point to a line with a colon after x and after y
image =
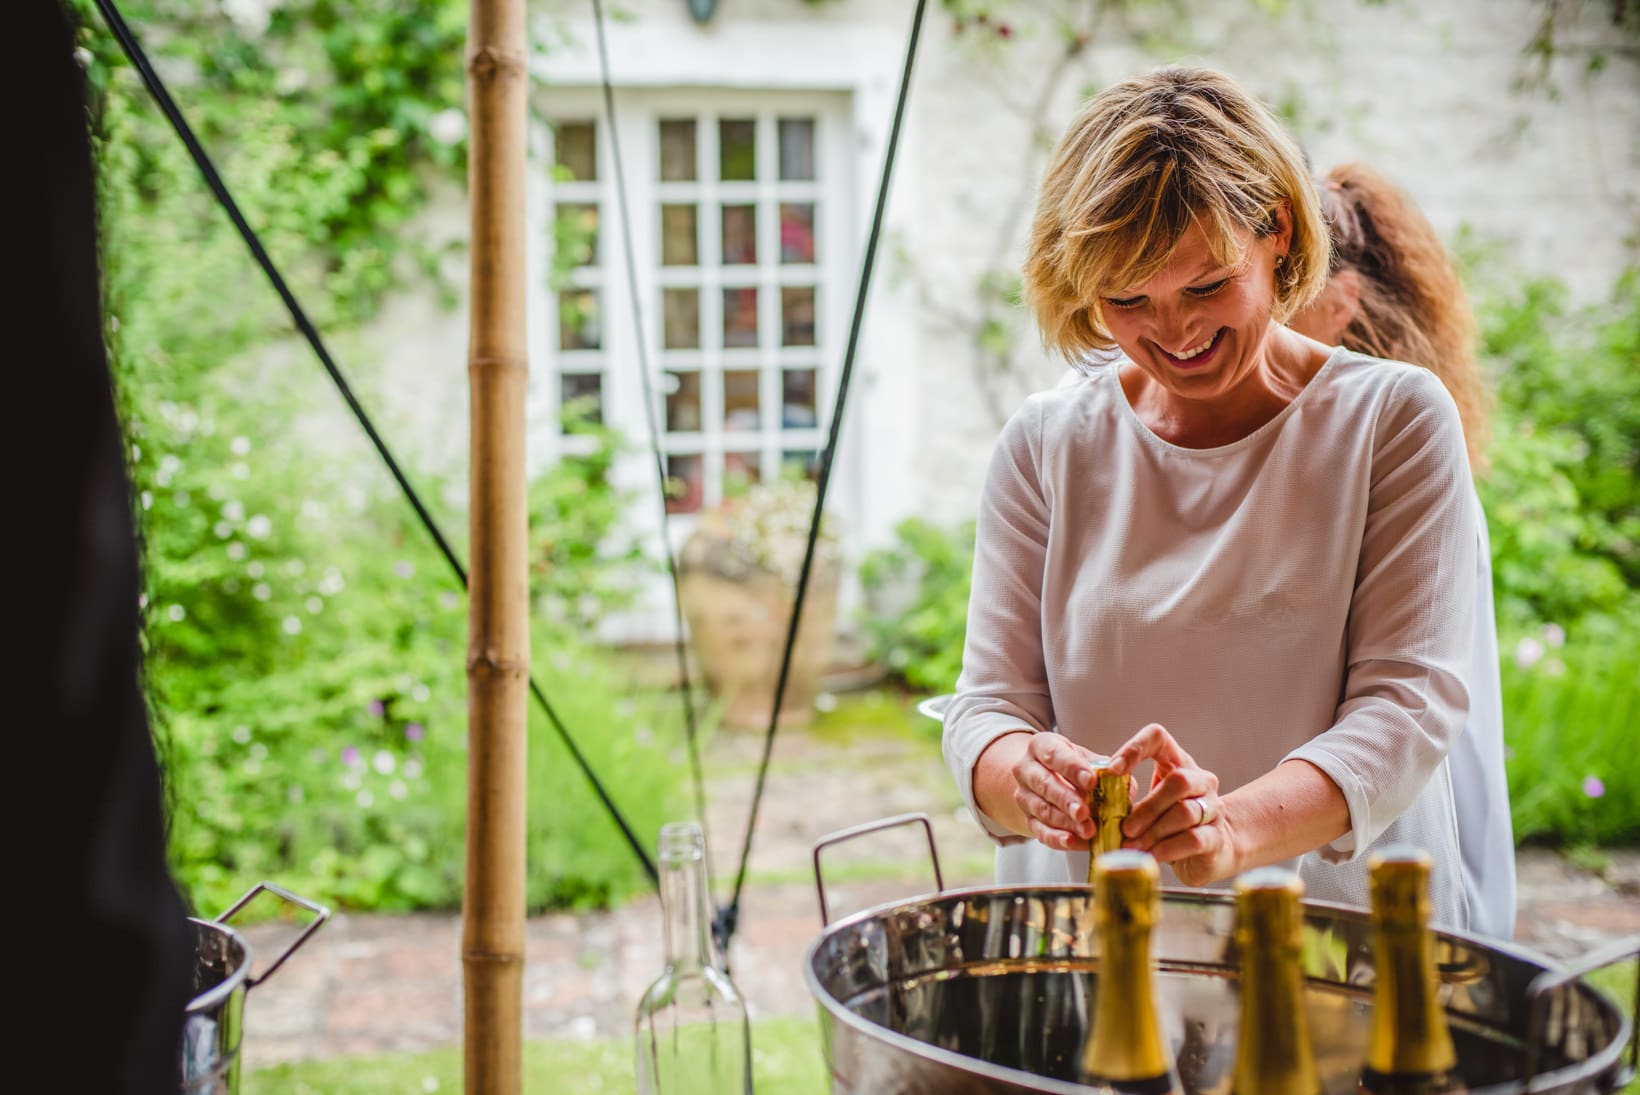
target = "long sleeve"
x: 1411, y: 621
x: 1004, y: 683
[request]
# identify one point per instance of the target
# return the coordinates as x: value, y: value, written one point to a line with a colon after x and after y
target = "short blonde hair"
x: 1143, y: 160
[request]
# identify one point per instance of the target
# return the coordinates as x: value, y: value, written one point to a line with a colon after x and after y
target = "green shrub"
x: 1570, y: 728
x: 916, y: 602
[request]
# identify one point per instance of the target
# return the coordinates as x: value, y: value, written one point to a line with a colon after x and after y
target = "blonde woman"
x: 1392, y: 291
x: 1232, y: 551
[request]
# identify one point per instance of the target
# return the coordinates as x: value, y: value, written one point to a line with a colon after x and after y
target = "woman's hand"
x: 1181, y: 820
x: 1051, y: 778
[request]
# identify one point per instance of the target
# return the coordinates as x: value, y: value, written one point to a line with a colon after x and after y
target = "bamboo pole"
x: 492, y: 941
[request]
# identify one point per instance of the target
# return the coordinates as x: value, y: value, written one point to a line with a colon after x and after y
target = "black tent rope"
x: 156, y: 87
x: 690, y: 730
x: 728, y: 916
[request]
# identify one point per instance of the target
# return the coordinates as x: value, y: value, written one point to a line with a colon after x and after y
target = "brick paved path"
x: 376, y: 983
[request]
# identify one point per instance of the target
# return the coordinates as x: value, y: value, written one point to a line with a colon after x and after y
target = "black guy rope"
x: 650, y: 416
x: 728, y: 916
x: 156, y: 87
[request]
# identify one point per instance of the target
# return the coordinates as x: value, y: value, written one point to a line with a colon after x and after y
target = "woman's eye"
x: 1209, y: 290
x: 1124, y: 302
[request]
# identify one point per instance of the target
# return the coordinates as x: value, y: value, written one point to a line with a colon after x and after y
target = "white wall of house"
x: 1430, y: 93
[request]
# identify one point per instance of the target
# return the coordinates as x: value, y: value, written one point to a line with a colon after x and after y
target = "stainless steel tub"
x: 991, y: 990
x: 214, y: 1021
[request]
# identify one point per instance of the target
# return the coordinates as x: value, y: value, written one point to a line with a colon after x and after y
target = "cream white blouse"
x: 1305, y: 592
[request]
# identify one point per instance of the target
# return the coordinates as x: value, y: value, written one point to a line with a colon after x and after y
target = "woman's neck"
x: 1286, y: 364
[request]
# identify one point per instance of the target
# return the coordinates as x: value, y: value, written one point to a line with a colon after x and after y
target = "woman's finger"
x: 1194, y: 842
x: 1044, y: 811
x: 1176, y: 787
x: 1051, y: 788
x: 1151, y: 743
x: 1187, y: 813
x: 1061, y: 755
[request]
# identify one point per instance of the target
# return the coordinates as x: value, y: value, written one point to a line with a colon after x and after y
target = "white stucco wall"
x: 1429, y: 93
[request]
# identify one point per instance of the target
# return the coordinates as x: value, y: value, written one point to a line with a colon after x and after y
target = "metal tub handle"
x: 1537, y: 1008
x: 320, y: 912
x: 842, y: 835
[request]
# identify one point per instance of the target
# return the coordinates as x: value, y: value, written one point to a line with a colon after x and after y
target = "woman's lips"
x: 1200, y: 359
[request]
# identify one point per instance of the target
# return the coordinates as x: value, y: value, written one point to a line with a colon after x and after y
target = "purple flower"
x: 350, y: 756
x: 415, y: 731
x: 377, y: 708
x: 1593, y: 787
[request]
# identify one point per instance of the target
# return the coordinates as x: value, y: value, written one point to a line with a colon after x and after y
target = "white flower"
x: 447, y: 126
x: 331, y: 584
x: 290, y: 80
x: 412, y: 768
x: 259, y: 753
x: 242, y: 734
x: 236, y: 551
x: 366, y: 800
x: 182, y: 498
x: 223, y: 530
x: 420, y: 693
x: 383, y: 762
x: 258, y: 527
x: 1528, y: 652
x: 404, y: 568
x: 315, y: 605
x: 292, y: 625
x: 82, y: 57
x: 250, y: 16
x: 234, y: 510
x: 255, y: 569
x: 240, y: 470
x: 176, y: 614
x: 262, y: 591
x: 1554, y: 635
x: 296, y: 794
x: 147, y: 499
x: 397, y: 789
x: 239, y: 446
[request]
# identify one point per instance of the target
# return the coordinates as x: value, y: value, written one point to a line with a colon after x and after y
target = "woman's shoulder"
x: 1363, y: 383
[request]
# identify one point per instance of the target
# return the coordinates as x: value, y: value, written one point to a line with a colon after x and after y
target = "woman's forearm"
x: 1293, y: 809
x: 994, y: 781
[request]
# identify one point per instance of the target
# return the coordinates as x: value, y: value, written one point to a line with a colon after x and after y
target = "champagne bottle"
x: 1108, y: 806
x: 692, y: 1034
x: 1126, y: 1054
x: 1273, y: 1054
x: 1409, y: 1051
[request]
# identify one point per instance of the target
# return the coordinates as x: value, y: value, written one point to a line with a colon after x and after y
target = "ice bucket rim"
x: 1600, y: 1063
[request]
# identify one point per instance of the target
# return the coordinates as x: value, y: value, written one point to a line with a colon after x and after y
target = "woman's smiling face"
x: 1197, y: 327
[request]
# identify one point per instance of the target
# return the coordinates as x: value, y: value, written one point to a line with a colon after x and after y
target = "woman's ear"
x: 1281, y: 234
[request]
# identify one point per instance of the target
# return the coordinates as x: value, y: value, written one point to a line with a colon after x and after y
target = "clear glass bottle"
x: 691, y: 1029
x: 1126, y: 1053
x: 1409, y: 1050
x: 1273, y: 1050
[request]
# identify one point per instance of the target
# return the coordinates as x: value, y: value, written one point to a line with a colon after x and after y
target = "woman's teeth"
x: 1186, y: 355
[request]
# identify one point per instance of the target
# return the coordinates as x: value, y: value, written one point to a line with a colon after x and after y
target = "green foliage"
x: 305, y: 643
x: 917, y: 602
x: 786, y: 1059
x: 1569, y: 724
x: 1569, y: 395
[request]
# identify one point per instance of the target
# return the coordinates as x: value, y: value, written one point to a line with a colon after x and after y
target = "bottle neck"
x: 1127, y: 1043
x: 1273, y: 1052
x: 683, y: 903
x: 1409, y: 1031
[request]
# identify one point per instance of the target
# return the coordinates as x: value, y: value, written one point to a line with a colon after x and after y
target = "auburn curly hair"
x: 1413, y: 306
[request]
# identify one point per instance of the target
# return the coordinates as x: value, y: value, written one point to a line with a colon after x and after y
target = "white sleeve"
x: 1412, y: 616
x: 1004, y: 683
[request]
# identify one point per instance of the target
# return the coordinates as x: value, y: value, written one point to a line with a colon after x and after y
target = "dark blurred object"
x: 113, y: 974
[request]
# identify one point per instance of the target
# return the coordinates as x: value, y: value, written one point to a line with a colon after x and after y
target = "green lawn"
x: 786, y: 1060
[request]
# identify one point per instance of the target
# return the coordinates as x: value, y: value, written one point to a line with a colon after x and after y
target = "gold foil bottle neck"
x: 1109, y: 806
x: 1399, y: 884
x: 1126, y: 1051
x: 1126, y: 889
x: 1410, y: 1047
x: 1273, y: 1048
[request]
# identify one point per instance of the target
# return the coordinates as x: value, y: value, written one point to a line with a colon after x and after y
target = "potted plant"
x: 737, y: 577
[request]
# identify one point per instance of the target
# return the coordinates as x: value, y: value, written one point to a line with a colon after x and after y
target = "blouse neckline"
x: 1263, y: 431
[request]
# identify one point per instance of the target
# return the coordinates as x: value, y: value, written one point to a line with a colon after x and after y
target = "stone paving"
x: 373, y: 983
